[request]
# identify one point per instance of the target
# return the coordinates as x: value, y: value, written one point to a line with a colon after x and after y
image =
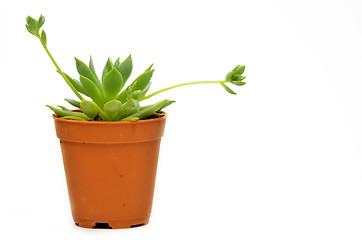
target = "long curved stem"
x: 59, y: 70
x: 178, y: 85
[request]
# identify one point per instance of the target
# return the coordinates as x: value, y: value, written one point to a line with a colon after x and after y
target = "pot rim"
x: 110, y: 122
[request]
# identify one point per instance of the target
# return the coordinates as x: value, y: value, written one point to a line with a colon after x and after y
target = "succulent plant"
x: 108, y: 102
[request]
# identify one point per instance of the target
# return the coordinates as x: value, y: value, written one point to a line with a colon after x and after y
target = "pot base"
x: 85, y: 223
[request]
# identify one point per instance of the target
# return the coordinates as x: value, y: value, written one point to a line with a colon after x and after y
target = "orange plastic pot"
x: 110, y: 169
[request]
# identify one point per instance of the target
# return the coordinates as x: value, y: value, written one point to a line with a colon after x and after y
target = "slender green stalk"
x: 59, y: 70
x: 178, y: 85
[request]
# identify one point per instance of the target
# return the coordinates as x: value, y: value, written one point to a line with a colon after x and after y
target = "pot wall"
x: 110, y: 169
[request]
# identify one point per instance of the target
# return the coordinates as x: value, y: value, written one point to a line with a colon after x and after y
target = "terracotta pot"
x: 110, y: 169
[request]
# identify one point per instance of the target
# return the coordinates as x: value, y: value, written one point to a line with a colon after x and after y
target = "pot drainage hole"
x: 102, y: 226
x: 137, y: 225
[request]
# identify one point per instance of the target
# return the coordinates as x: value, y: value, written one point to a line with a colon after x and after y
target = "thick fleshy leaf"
x: 72, y: 102
x: 138, y: 94
x: 33, y: 24
x: 136, y: 105
x: 129, y: 111
x: 43, y: 37
x: 125, y: 68
x: 229, y: 76
x: 130, y: 119
x: 238, y: 83
x: 73, y: 118
x: 41, y: 21
x: 144, y: 91
x: 139, y: 83
x: 142, y: 81
x: 32, y: 31
x: 92, y: 91
x: 89, y: 108
x: 108, y: 67
x: 228, y: 89
x: 62, y: 107
x: 112, y: 109
x: 91, y: 67
x: 112, y: 84
x: 116, y: 64
x: 236, y: 67
x: 241, y: 78
x: 77, y: 85
x: 154, y: 108
x: 123, y: 95
x: 85, y: 71
x: 151, y: 109
x: 149, y: 68
x: 125, y: 106
x: 135, y: 95
x: 63, y: 113
x: 112, y: 106
x: 166, y: 103
x: 240, y: 70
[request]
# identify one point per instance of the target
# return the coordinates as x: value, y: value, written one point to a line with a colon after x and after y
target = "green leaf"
x: 236, y: 68
x: 63, y: 113
x: 124, y: 108
x: 139, y: 84
x: 92, y: 91
x: 130, y: 119
x: 77, y: 85
x: 64, y: 108
x: 234, y: 77
x: 154, y: 108
x: 125, y: 112
x: 31, y: 30
x: 144, y: 91
x: 135, y: 95
x: 91, y: 67
x: 108, y: 67
x: 129, y: 93
x: 167, y: 103
x: 125, y: 68
x: 229, y: 75
x: 151, y: 109
x: 41, y: 21
x: 43, y: 37
x: 89, y: 108
x: 112, y: 106
x: 238, y: 83
x: 138, y: 94
x: 228, y: 89
x: 73, y: 102
x: 85, y: 71
x: 123, y: 95
x: 136, y: 105
x: 112, y: 84
x: 143, y: 80
x: 240, y: 70
x: 33, y: 24
x: 112, y: 109
x: 149, y: 68
x: 116, y: 64
x: 73, y: 118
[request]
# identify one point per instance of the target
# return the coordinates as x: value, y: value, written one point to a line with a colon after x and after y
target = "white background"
x: 281, y: 160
